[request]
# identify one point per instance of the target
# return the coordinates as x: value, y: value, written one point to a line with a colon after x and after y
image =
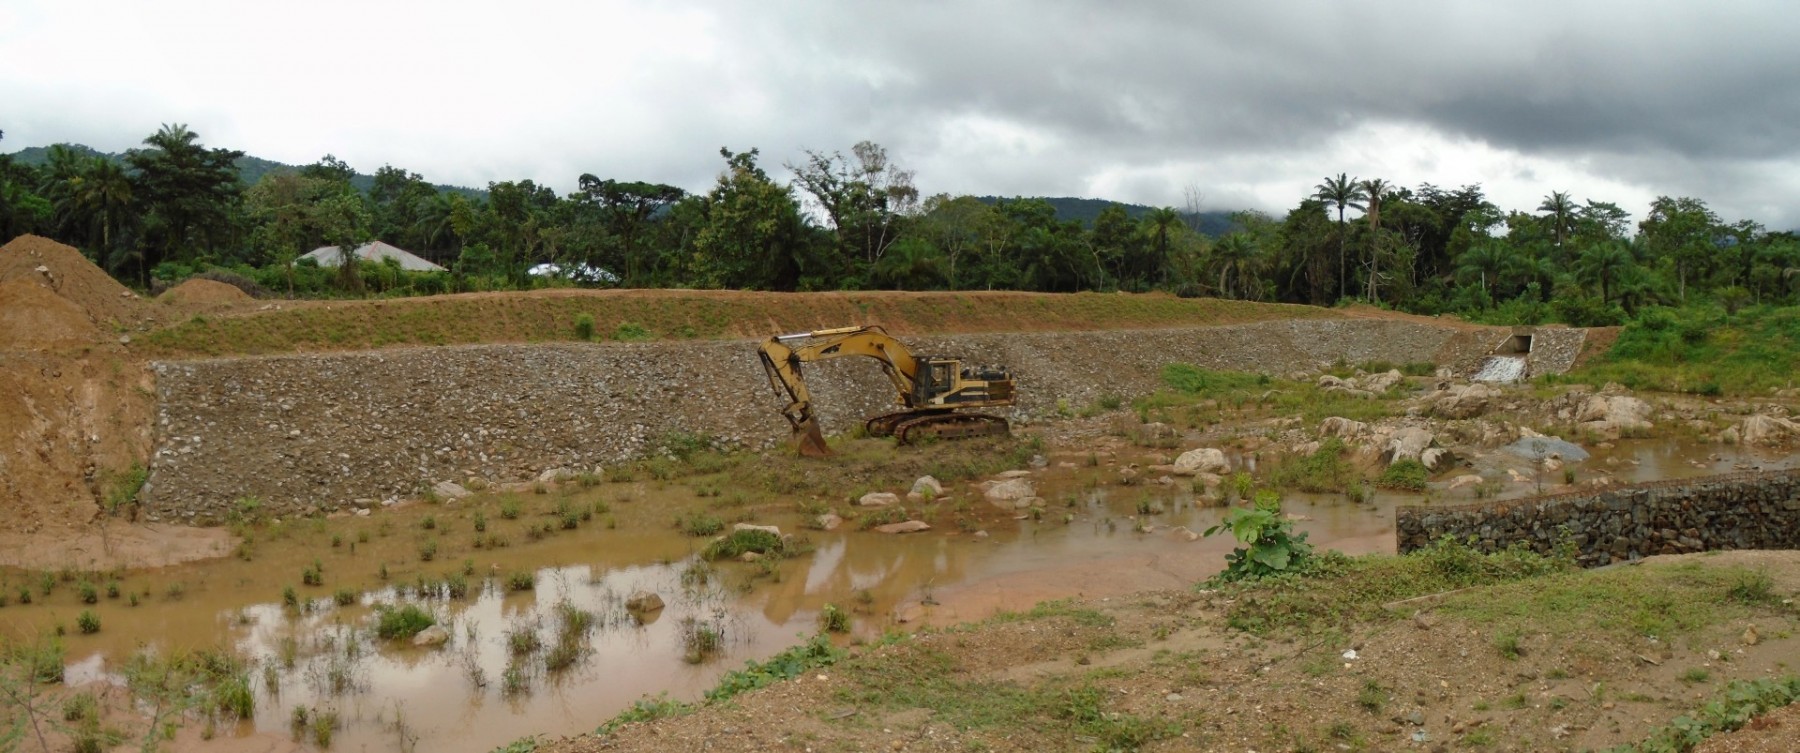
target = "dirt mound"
x: 71, y: 276
x: 32, y: 315
x: 200, y: 293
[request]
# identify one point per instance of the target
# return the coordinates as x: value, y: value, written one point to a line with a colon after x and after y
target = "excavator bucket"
x: 810, y: 441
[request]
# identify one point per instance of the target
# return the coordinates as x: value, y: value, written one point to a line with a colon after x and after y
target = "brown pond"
x: 473, y: 694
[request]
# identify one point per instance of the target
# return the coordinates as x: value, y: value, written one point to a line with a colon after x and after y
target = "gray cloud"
x: 1249, y: 103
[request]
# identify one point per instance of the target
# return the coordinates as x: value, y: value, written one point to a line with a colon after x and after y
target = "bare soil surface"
x: 1418, y: 680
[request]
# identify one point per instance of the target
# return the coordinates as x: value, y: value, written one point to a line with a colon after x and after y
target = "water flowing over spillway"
x: 1501, y: 369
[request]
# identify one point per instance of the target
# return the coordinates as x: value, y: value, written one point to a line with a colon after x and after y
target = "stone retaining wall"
x: 1736, y: 511
x: 317, y: 433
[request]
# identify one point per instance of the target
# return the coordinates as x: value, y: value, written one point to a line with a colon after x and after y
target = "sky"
x: 1238, y: 105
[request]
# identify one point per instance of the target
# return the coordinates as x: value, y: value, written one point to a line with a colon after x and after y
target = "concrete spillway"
x: 1501, y: 369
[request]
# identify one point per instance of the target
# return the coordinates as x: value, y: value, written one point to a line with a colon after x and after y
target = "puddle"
x: 460, y: 696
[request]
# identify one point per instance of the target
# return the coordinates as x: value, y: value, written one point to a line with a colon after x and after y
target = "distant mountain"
x: 1210, y: 223
x: 250, y: 168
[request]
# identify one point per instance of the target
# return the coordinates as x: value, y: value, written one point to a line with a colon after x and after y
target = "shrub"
x: 834, y: 620
x: 1194, y: 380
x: 344, y: 597
x: 584, y: 326
x: 1271, y: 548
x: 631, y: 332
x: 740, y: 541
x: 1325, y: 470
x: 401, y: 622
x: 700, y: 524
x: 88, y: 622
x: 89, y: 593
x: 1406, y: 474
x: 523, y: 580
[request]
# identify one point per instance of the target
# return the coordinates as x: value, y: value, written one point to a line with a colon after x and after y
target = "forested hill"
x: 250, y: 169
x: 1210, y: 223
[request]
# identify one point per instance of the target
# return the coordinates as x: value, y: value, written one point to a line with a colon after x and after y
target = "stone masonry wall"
x: 1737, y: 511
x: 325, y: 432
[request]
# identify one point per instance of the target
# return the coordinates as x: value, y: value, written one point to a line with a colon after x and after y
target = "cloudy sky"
x: 1250, y: 104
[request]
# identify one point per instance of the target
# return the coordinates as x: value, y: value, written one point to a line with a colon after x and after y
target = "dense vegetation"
x: 175, y: 207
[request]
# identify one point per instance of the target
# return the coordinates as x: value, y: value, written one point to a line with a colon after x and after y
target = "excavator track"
x: 951, y: 426
x: 884, y: 425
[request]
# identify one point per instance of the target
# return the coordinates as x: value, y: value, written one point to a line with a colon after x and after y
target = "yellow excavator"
x: 934, y: 390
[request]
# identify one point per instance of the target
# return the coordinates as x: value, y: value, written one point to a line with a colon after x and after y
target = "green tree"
x: 753, y: 236
x: 954, y: 226
x: 864, y: 199
x: 1482, y: 264
x: 1560, y: 214
x: 1236, y: 256
x: 1161, y: 224
x: 1681, y: 231
x: 1603, y: 264
x: 189, y: 196
x: 1375, y: 191
x: 1305, y: 240
x: 1342, y: 191
x: 626, y: 208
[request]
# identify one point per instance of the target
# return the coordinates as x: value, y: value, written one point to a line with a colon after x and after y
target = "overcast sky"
x: 1252, y: 104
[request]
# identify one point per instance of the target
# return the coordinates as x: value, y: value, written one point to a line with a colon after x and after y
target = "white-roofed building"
x: 373, y: 251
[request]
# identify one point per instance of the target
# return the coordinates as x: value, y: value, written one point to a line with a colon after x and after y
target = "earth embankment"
x: 328, y: 432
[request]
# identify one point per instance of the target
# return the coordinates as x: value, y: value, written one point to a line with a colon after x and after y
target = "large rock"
x: 1767, y: 430
x: 878, y: 499
x: 1338, y: 426
x: 643, y: 601
x: 1203, y: 460
x: 1464, y: 400
x: 449, y: 490
x: 828, y: 522
x: 432, y: 637
x: 1380, y: 383
x: 905, y: 526
x: 753, y: 527
x: 1407, y: 443
x: 1613, y: 415
x: 1009, y: 491
x: 926, y: 486
x: 1434, y: 457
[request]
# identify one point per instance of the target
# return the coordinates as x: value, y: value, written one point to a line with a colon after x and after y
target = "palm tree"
x: 1604, y: 264
x: 1374, y: 190
x: 1344, y: 192
x: 1482, y: 263
x: 1161, y: 224
x: 1562, y: 215
x: 1235, y: 253
x: 100, y: 199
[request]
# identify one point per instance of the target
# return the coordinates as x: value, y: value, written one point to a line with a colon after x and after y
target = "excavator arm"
x: 782, y: 355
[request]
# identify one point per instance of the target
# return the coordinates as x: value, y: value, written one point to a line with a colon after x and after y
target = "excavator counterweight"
x: 936, y: 393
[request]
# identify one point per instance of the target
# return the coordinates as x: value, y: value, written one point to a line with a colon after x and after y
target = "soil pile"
x: 65, y: 272
x: 32, y: 315
x: 199, y: 293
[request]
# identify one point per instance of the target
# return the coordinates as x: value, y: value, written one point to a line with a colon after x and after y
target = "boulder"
x: 1203, y: 460
x: 752, y: 527
x: 1464, y: 400
x: 878, y: 499
x: 1467, y: 479
x: 1760, y: 429
x: 1010, y: 490
x: 1407, y: 443
x: 643, y: 601
x: 448, y: 490
x: 750, y: 556
x: 1338, y: 426
x: 1380, y: 383
x: 555, y: 475
x: 927, y: 485
x: 1612, y: 415
x: 905, y: 526
x: 1181, y: 533
x: 1434, y: 458
x: 828, y: 522
x: 432, y: 637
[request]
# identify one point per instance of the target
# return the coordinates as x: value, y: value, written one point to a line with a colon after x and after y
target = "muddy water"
x: 475, y: 694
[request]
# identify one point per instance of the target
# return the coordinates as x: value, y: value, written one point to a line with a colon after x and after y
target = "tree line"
x: 175, y: 207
